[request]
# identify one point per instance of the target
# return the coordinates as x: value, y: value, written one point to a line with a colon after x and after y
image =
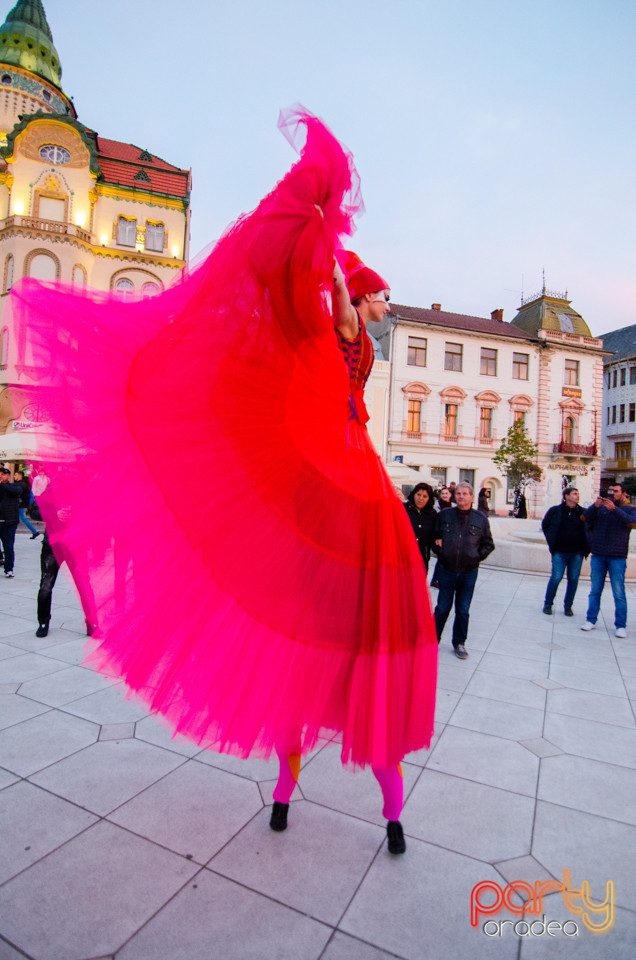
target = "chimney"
x: 436, y: 306
x: 497, y: 314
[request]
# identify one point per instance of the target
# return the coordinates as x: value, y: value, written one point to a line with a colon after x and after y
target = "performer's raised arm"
x: 345, y: 317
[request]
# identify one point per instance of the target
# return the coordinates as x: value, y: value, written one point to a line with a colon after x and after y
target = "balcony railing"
x: 46, y: 226
x: 581, y: 449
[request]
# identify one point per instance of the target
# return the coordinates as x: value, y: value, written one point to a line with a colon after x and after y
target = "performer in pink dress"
x: 253, y: 630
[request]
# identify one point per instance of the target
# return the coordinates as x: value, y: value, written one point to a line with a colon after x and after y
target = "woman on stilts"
x: 307, y: 615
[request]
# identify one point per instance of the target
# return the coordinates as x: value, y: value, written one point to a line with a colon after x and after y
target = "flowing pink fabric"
x: 274, y: 589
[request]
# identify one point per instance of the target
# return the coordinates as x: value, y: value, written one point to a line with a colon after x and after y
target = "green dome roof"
x: 26, y: 41
x: 553, y: 312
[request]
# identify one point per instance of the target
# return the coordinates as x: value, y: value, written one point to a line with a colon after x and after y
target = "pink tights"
x: 389, y: 778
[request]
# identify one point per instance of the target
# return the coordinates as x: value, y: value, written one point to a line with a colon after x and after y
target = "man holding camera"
x: 609, y: 523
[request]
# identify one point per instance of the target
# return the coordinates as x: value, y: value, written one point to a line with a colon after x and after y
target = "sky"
x: 495, y: 139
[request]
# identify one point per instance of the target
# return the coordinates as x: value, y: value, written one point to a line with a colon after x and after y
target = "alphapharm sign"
x: 487, y: 898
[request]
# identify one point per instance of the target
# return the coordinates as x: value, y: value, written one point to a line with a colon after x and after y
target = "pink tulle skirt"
x: 253, y: 577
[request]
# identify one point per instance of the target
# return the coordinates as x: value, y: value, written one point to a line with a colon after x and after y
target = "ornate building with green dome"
x: 31, y: 70
x: 570, y: 390
x: 74, y: 206
x: 458, y: 383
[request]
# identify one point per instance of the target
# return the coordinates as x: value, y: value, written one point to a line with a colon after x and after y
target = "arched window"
x: 8, y: 273
x: 4, y: 349
x: 125, y: 287
x: 42, y: 267
x: 150, y: 289
x: 79, y: 275
x: 569, y: 430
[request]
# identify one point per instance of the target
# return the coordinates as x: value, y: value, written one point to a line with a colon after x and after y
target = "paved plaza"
x: 120, y: 842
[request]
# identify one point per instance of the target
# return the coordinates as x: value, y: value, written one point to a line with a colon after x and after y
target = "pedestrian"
x: 9, y: 517
x: 462, y: 540
x: 420, y: 508
x: 444, y: 502
x: 483, y: 501
x: 520, y: 509
x: 452, y: 487
x: 445, y: 499
x: 25, y: 502
x: 609, y: 521
x: 49, y: 569
x: 301, y: 605
x: 564, y: 529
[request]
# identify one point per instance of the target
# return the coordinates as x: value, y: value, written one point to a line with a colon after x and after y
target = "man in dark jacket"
x: 462, y: 540
x: 609, y: 523
x: 564, y: 529
x: 9, y: 517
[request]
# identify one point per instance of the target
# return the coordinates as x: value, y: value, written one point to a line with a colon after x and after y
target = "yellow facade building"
x: 74, y: 206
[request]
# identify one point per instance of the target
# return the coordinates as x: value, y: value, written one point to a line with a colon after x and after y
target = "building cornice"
x: 132, y: 195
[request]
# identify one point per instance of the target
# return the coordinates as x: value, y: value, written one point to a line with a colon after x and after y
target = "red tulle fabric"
x: 252, y: 574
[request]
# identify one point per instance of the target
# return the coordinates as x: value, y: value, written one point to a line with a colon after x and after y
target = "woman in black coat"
x: 419, y: 506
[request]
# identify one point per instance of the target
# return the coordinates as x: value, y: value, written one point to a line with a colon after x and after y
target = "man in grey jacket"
x: 609, y: 522
x: 462, y: 540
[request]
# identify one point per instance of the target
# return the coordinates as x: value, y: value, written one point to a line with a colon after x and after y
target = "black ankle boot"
x: 278, y: 819
x: 395, y: 835
x: 42, y: 630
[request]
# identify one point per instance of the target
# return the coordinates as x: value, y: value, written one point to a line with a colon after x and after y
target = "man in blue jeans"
x: 564, y: 529
x: 462, y: 540
x: 609, y: 523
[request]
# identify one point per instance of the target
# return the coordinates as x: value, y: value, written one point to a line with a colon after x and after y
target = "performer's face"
x: 379, y: 304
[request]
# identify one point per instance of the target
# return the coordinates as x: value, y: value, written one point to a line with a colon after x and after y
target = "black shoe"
x: 461, y: 651
x: 569, y: 612
x: 35, y: 535
x: 278, y: 819
x: 42, y: 630
x: 547, y: 608
x: 395, y: 837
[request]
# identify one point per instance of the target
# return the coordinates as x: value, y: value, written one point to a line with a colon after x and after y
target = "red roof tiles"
x: 120, y: 164
x: 460, y: 321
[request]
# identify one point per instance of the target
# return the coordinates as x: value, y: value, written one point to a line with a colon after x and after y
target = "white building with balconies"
x: 458, y: 382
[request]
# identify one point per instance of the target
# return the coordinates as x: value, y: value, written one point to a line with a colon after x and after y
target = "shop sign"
x: 575, y: 392
x: 569, y: 468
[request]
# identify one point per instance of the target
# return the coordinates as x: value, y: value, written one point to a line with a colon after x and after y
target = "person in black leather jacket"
x: 9, y: 517
x: 419, y: 506
x: 462, y: 540
x: 564, y: 529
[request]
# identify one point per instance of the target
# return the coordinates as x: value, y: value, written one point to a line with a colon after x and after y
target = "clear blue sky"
x: 493, y: 137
